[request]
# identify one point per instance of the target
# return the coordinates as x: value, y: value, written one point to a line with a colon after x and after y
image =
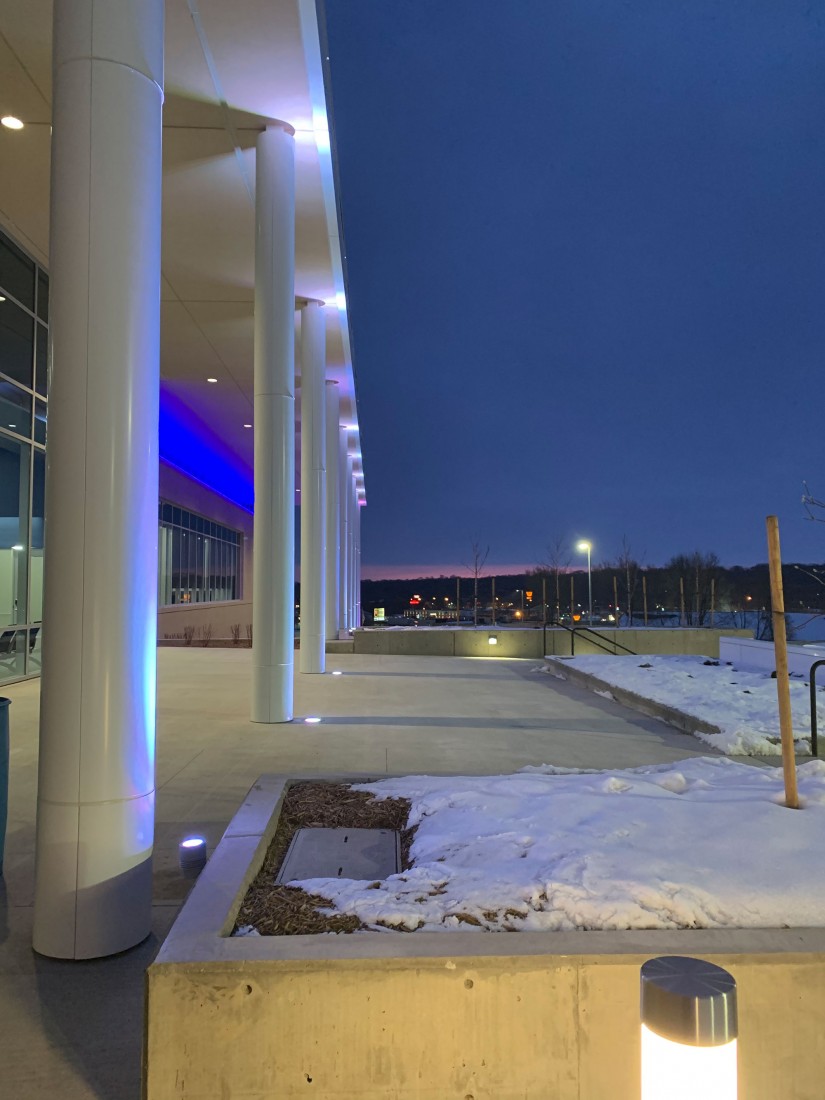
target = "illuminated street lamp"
x: 689, y: 1029
x: 585, y: 547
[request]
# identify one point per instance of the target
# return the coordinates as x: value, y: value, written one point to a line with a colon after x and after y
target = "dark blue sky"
x: 586, y: 270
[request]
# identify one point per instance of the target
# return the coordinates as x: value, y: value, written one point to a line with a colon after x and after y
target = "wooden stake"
x: 681, y: 601
x: 644, y: 594
x: 780, y: 646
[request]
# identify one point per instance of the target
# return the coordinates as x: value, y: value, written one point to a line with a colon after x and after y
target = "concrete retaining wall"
x: 759, y: 656
x: 535, y: 642
x: 469, y: 1016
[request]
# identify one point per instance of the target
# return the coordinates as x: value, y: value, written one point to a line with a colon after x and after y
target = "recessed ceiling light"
x: 211, y: 380
x: 12, y: 425
x: 11, y: 123
x: 2, y: 297
x: 247, y: 425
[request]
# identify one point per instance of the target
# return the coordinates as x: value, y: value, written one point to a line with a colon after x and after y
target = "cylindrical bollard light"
x: 4, y: 773
x: 192, y: 855
x: 689, y: 1029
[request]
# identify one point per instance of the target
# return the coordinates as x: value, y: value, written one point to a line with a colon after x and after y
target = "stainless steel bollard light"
x: 192, y: 855
x: 689, y: 1030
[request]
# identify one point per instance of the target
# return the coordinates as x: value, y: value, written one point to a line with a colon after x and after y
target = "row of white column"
x: 96, y: 790
x: 330, y: 529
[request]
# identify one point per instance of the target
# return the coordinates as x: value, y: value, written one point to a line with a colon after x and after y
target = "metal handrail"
x: 598, y: 639
x: 812, y: 675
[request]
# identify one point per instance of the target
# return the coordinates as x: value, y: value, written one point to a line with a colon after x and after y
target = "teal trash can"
x: 4, y: 773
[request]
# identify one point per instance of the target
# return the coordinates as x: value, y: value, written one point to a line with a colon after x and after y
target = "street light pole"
x: 586, y: 547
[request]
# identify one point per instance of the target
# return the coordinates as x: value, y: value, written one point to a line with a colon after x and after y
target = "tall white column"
x: 313, y: 487
x: 273, y: 567
x: 95, y: 808
x: 333, y: 525
x: 350, y: 547
x: 358, y: 618
x: 343, y: 517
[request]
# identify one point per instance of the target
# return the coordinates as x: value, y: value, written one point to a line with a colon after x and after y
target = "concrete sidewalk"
x: 74, y: 1030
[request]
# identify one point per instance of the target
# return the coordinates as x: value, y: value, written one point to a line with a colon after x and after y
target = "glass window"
x: 41, y: 412
x: 16, y: 343
x: 15, y: 409
x: 41, y: 374
x: 42, y: 295
x: 16, y: 272
x: 14, y: 531
x: 37, y: 540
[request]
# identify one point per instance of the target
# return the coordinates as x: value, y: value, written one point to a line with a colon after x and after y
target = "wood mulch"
x: 288, y: 911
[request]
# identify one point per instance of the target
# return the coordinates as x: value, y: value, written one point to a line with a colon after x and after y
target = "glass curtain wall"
x: 199, y: 561
x: 24, y: 381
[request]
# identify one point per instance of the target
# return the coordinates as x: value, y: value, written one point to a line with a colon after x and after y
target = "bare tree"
x: 556, y: 560
x: 630, y: 567
x: 696, y: 570
x: 475, y: 567
x: 810, y: 504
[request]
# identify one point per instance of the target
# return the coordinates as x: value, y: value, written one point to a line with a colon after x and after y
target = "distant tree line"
x: 688, y: 583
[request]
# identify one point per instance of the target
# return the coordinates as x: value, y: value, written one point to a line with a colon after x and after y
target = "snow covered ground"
x: 704, y: 843
x: 742, y: 704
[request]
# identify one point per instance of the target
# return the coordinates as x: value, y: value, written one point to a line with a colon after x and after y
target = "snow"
x: 742, y: 704
x: 703, y: 843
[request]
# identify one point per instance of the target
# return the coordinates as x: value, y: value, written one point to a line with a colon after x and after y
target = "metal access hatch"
x: 341, y: 853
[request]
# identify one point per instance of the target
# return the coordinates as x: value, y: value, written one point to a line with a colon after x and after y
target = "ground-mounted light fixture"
x: 492, y: 640
x: 337, y: 672
x: 211, y: 380
x: 689, y: 1029
x: 192, y: 855
x: 311, y: 721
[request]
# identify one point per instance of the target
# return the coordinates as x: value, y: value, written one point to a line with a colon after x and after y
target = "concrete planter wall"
x: 470, y: 1016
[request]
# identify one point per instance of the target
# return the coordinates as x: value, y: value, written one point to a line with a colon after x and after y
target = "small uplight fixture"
x: 11, y: 122
x: 337, y: 672
x: 192, y: 855
x: 689, y: 1030
x: 492, y: 639
x: 211, y: 380
x: 247, y: 425
x: 313, y: 721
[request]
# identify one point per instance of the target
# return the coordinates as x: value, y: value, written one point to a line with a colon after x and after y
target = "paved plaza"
x: 74, y: 1029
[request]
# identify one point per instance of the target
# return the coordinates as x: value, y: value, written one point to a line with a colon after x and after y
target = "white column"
x: 313, y: 487
x: 358, y: 619
x: 95, y: 811
x: 350, y: 547
x: 273, y: 565
x: 343, y: 517
x: 333, y: 524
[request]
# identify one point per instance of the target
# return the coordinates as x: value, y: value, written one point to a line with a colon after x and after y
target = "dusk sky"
x: 586, y: 272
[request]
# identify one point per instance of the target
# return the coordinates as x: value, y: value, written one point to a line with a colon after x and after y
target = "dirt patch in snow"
x: 274, y: 910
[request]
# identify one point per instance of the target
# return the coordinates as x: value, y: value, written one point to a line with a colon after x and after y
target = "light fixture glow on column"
x: 689, y: 1029
x: 11, y: 123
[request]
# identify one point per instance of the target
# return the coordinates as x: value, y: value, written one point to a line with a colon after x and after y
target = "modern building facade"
x: 172, y: 250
